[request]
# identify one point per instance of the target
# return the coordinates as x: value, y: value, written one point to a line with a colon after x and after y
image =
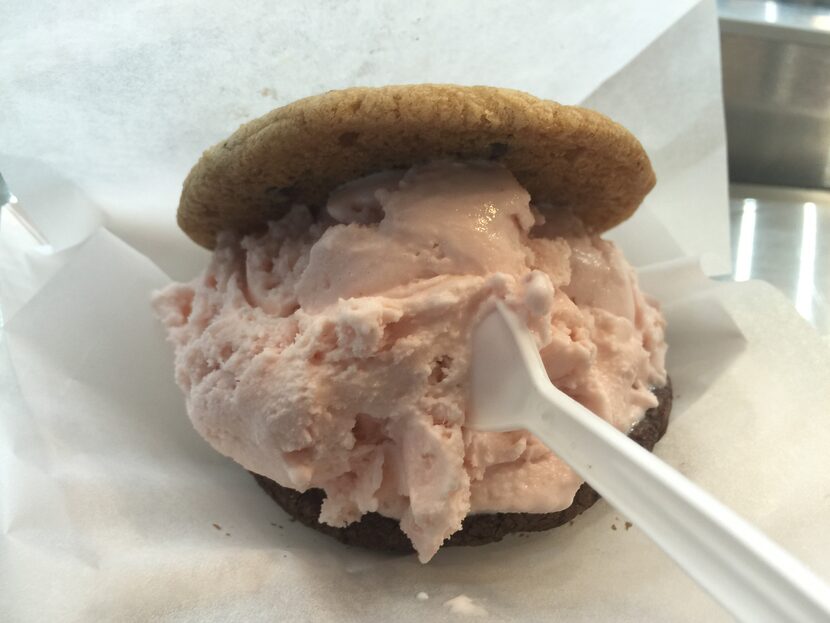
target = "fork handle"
x: 752, y: 577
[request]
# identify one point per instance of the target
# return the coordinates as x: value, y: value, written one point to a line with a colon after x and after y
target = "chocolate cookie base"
x: 375, y: 531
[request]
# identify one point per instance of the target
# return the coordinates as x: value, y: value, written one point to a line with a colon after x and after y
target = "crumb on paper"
x: 628, y: 524
x: 613, y: 526
x: 422, y: 596
x: 465, y: 606
x: 217, y: 526
x: 227, y: 534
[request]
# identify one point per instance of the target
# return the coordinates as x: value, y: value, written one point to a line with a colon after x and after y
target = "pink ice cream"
x: 334, y: 353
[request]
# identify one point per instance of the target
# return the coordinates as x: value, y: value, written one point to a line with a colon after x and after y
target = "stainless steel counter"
x: 782, y: 236
x: 776, y: 90
x: 776, y: 87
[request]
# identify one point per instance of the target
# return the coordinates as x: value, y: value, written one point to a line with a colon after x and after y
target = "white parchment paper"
x: 114, y: 509
x: 111, y: 506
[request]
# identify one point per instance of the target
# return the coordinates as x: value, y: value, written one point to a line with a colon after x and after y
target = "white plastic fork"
x: 752, y: 577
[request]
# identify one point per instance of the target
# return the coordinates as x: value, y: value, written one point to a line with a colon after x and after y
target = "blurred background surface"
x: 776, y: 88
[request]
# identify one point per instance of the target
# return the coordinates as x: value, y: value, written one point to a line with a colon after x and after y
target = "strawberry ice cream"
x: 333, y: 351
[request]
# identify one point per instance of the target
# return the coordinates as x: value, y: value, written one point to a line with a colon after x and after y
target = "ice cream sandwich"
x: 357, y: 238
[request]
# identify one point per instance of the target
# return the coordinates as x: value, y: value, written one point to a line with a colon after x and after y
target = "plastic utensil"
x: 752, y: 577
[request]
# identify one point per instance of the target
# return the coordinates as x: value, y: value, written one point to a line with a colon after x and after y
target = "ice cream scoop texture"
x: 333, y: 350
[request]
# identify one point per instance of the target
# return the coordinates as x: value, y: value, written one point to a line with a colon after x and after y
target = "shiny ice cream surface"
x: 334, y: 352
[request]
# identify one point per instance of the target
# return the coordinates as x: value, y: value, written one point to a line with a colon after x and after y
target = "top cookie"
x: 299, y: 153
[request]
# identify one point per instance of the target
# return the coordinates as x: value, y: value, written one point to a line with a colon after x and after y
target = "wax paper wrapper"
x: 113, y: 509
x: 111, y: 506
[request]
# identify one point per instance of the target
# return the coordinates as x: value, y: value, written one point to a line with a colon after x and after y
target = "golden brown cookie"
x: 563, y: 155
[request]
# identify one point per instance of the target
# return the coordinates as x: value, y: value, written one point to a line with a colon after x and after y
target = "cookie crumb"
x: 217, y: 526
x: 613, y: 526
x: 465, y: 606
x: 628, y: 524
x: 227, y: 534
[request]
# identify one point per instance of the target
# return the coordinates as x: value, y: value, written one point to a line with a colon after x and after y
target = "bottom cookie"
x: 375, y: 531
